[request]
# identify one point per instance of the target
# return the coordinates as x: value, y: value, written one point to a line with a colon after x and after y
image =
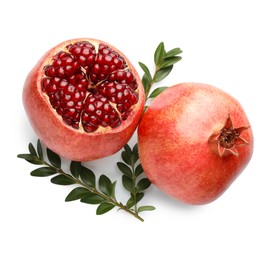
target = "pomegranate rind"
x: 72, y: 144
x: 173, y: 142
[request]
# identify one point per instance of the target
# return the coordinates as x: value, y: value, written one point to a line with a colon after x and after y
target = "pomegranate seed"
x: 84, y: 52
x: 64, y: 65
x: 106, y: 62
x: 98, y: 112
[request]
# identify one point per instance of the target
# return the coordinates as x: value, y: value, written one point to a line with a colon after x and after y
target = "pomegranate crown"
x: 228, y: 138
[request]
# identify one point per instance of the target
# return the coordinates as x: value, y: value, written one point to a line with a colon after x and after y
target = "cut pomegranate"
x: 84, y: 99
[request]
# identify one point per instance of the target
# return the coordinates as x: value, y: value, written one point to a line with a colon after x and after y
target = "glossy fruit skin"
x: 70, y: 143
x: 173, y: 142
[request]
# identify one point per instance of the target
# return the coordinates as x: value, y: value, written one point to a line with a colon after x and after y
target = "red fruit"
x: 194, y: 140
x: 84, y: 99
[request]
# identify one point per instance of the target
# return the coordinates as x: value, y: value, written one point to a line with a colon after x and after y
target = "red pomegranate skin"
x: 174, y: 147
x: 73, y: 144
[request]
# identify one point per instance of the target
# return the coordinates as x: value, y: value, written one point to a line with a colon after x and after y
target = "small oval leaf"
x: 173, y: 52
x: 54, y: 158
x: 77, y: 193
x: 92, y: 199
x: 62, y: 180
x: 130, y: 203
x: 159, y: 53
x: 146, y: 71
x: 128, y: 183
x: 32, y: 150
x: 135, y: 155
x: 87, y: 176
x: 39, y: 149
x: 146, y: 83
x: 104, y: 208
x: 162, y: 73
x: 128, y: 149
x: 139, y: 197
x: 124, y: 169
x: 146, y: 208
x: 157, y: 91
x: 139, y: 170
x: 105, y: 185
x: 113, y: 190
x: 170, y: 61
x: 126, y: 157
x: 29, y: 158
x: 43, y: 172
x: 143, y: 184
x: 75, y: 169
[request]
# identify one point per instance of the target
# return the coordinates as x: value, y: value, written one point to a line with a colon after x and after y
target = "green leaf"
x: 173, y: 52
x: 135, y: 156
x: 130, y: 203
x: 124, y: 169
x: 146, y: 71
x: 139, y: 197
x: 62, y: 180
x: 43, y: 172
x: 157, y: 91
x: 92, y: 199
x: 143, y: 184
x: 104, y: 208
x: 77, y: 193
x: 146, y: 83
x: 75, y: 169
x: 39, y: 149
x: 87, y: 176
x: 54, y: 158
x: 169, y: 61
x: 113, y: 190
x: 139, y: 170
x: 162, y: 73
x: 25, y: 156
x: 128, y: 183
x: 159, y: 54
x: 126, y: 157
x: 29, y: 158
x: 105, y: 185
x: 128, y: 149
x: 146, y: 208
x: 32, y: 150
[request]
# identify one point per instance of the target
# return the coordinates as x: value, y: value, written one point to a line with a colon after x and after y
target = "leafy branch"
x: 131, y: 180
x: 164, y: 61
x: 88, y: 190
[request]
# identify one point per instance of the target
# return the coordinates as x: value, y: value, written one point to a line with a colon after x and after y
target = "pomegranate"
x: 194, y: 140
x: 84, y: 99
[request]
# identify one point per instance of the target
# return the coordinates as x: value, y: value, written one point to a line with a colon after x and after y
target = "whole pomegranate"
x: 194, y: 140
x: 84, y: 99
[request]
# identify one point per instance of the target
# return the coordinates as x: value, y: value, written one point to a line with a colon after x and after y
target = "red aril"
x: 84, y: 99
x: 194, y: 140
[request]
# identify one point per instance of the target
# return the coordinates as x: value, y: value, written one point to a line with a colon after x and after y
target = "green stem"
x: 95, y: 191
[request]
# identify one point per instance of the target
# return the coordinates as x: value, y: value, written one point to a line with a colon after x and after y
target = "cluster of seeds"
x: 90, y: 88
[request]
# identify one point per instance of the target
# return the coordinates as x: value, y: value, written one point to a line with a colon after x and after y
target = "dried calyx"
x: 228, y: 139
x: 90, y: 86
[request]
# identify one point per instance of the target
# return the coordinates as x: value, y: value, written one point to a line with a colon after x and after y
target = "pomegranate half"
x: 194, y: 140
x: 84, y: 99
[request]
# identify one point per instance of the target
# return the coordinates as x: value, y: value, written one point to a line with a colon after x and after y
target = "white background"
x: 229, y: 44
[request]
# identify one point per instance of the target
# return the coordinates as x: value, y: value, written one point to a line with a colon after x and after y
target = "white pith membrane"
x: 101, y: 129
